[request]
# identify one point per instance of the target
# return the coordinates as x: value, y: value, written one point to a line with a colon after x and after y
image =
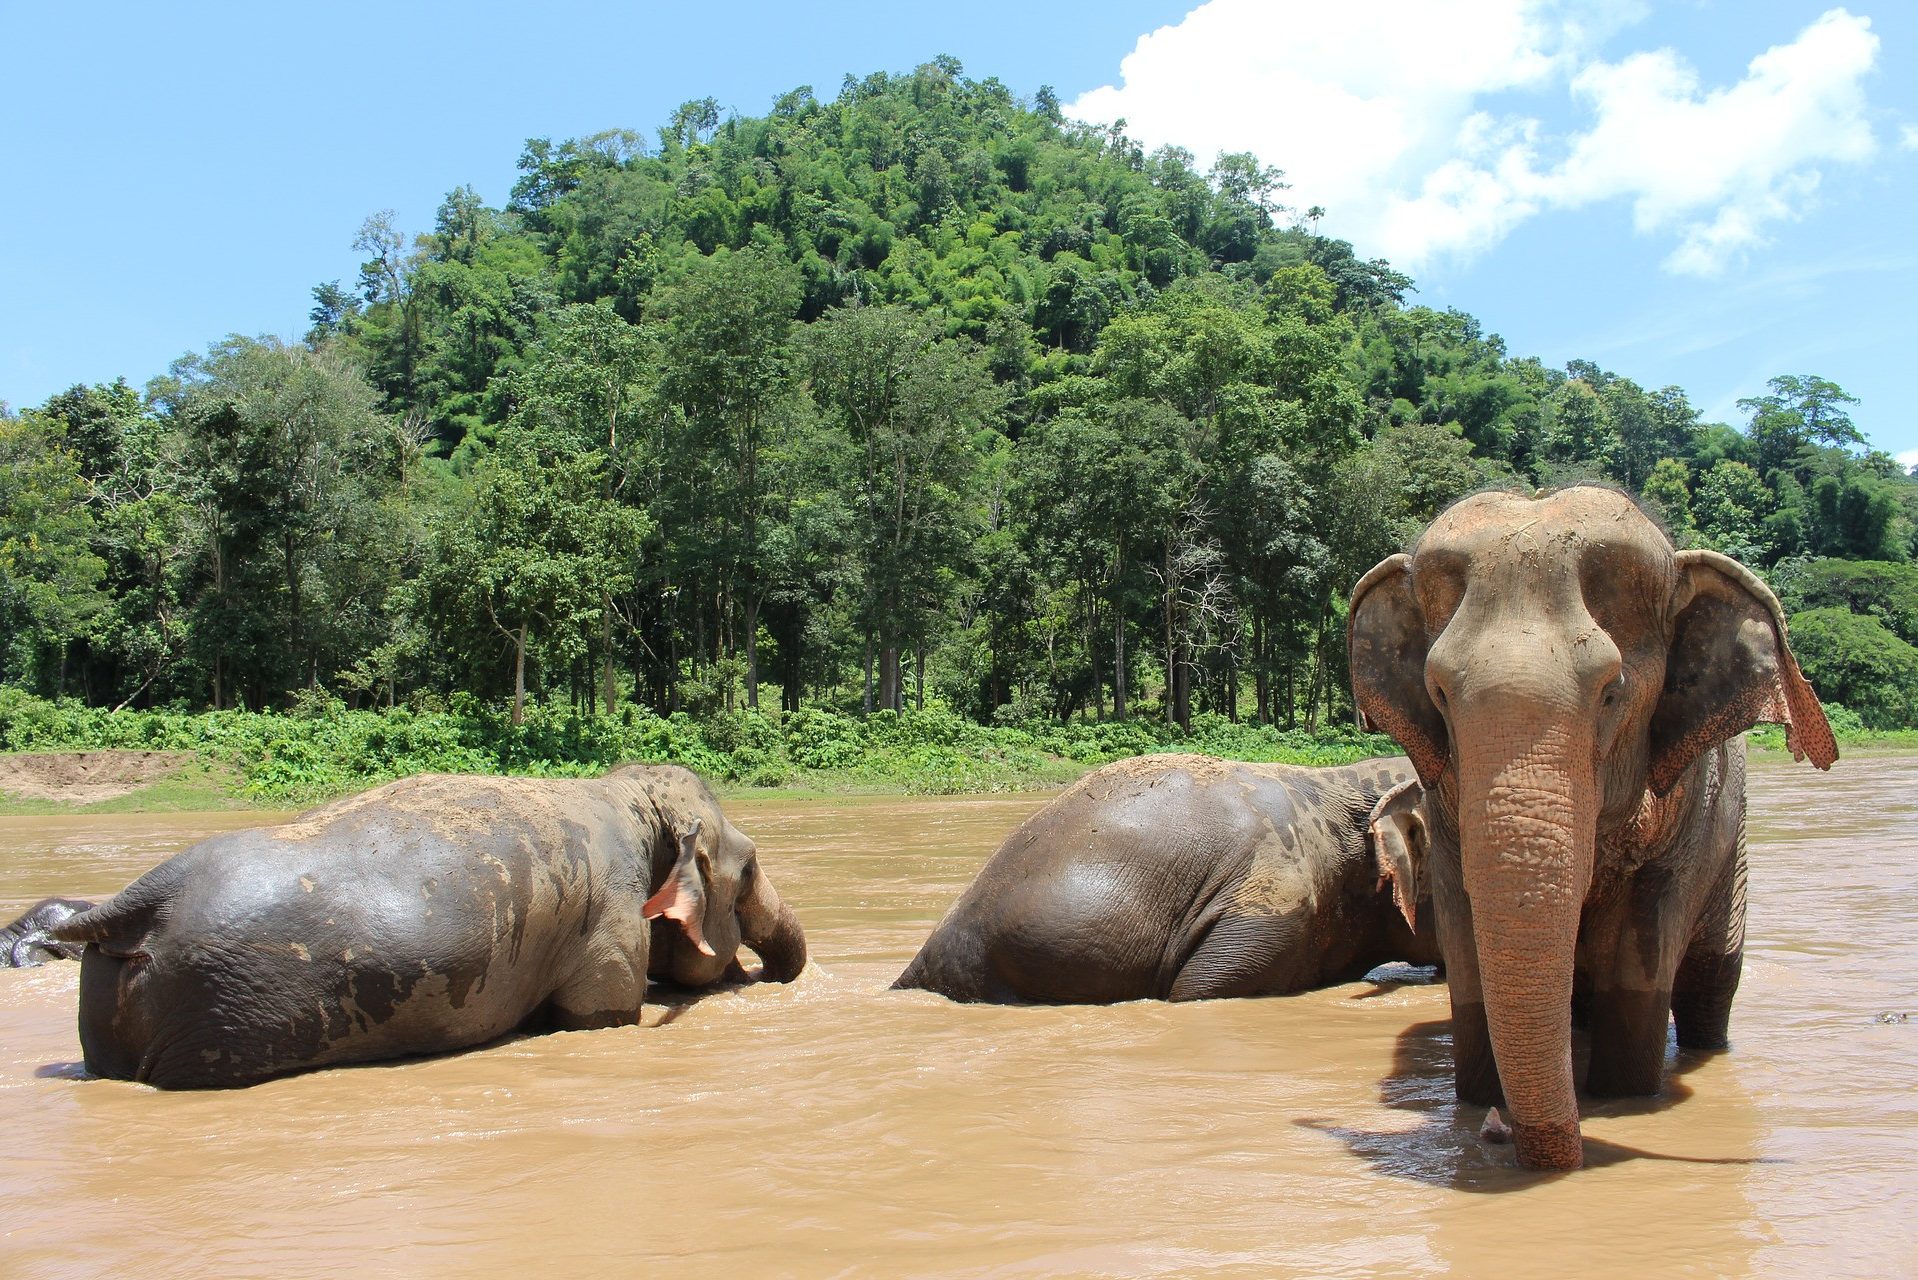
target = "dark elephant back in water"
x: 1178, y: 877
x: 428, y: 915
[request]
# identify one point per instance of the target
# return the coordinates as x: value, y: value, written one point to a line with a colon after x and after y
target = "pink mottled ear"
x: 682, y: 898
x: 1730, y: 667
x: 1398, y: 836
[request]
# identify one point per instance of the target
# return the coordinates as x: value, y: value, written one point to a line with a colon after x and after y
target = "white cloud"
x: 1908, y: 137
x: 1351, y: 99
x: 1908, y: 459
x: 1719, y: 166
x: 1385, y: 112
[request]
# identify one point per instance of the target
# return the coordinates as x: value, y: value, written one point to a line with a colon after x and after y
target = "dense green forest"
x: 921, y: 395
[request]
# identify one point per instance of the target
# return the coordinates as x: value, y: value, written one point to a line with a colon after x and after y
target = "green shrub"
x: 817, y: 739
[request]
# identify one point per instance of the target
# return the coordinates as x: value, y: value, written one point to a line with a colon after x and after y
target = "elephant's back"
x: 1100, y: 895
x: 1187, y: 808
x: 1131, y: 827
x: 420, y: 855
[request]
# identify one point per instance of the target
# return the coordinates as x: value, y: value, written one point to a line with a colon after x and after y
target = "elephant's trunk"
x: 770, y: 928
x: 1527, y: 824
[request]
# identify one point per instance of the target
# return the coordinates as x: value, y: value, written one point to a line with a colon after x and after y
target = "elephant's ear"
x: 1385, y: 636
x: 1730, y: 667
x: 1397, y: 828
x: 682, y: 897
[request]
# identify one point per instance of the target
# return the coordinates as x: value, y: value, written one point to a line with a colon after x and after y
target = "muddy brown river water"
x: 835, y: 1128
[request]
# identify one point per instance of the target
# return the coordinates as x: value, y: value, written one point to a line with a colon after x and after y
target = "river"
x: 835, y: 1128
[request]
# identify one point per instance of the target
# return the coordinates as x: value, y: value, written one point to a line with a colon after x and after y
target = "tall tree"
x: 275, y: 446
x: 585, y: 388
x: 911, y: 405
x: 1107, y: 488
x: 1801, y: 410
x: 49, y: 576
x: 726, y: 323
x: 532, y: 554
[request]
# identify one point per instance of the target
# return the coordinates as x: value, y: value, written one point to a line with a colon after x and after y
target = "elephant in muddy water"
x: 1570, y: 690
x: 25, y: 942
x: 1184, y: 877
x: 428, y: 915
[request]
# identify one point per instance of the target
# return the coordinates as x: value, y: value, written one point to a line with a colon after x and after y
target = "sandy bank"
x: 86, y: 777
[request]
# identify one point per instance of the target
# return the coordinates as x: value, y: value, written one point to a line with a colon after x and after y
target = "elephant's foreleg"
x: 1582, y: 1002
x: 1633, y: 965
x: 1708, y: 978
x: 1629, y: 1026
x: 107, y: 1053
x: 1474, y: 1068
x: 1702, y: 1001
x: 1675, y: 952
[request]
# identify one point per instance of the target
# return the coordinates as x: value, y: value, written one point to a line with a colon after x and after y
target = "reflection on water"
x: 834, y: 1127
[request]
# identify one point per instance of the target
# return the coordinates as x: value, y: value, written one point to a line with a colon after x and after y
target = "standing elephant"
x: 428, y: 915
x: 25, y: 942
x: 1570, y: 690
x: 1183, y: 877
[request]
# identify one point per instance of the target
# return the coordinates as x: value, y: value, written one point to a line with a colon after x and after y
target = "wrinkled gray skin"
x: 1570, y: 689
x: 428, y: 915
x: 1183, y: 877
x: 25, y: 942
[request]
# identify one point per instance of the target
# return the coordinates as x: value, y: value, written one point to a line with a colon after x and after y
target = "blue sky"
x: 1700, y: 192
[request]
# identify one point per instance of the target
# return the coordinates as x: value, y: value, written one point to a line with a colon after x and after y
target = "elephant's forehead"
x: 1567, y: 521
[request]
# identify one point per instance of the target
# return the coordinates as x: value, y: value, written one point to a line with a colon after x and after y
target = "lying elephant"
x: 1184, y: 877
x: 25, y: 942
x: 428, y: 915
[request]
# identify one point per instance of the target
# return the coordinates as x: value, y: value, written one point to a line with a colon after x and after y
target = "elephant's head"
x: 1552, y: 666
x: 708, y: 882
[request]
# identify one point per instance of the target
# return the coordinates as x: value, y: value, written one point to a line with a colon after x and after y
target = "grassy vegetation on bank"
x: 324, y: 750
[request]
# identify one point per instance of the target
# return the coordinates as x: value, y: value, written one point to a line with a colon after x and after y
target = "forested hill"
x: 918, y: 393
